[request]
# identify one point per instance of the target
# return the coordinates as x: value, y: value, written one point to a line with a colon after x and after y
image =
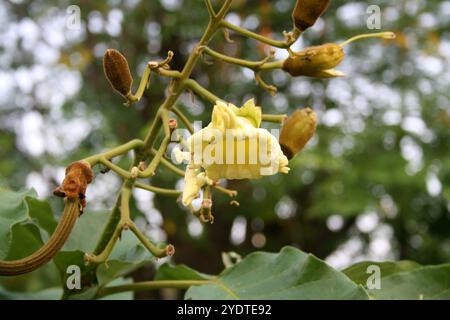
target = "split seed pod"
x: 306, y: 12
x: 317, y: 61
x: 297, y: 130
x: 117, y: 72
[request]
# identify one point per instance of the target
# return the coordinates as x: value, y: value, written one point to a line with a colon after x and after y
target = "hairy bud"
x: 117, y: 71
x: 317, y: 61
x: 306, y: 12
x: 297, y: 130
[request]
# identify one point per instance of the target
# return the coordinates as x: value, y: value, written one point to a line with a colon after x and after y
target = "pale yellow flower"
x: 232, y: 146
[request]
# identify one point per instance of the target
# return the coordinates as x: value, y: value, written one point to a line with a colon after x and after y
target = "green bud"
x: 297, y: 130
x: 315, y: 61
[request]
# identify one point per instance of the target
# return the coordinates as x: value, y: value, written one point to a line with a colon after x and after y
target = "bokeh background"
x: 372, y: 184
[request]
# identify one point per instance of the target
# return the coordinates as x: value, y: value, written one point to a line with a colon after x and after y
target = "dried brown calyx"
x: 78, y: 175
x: 117, y: 72
x: 306, y: 12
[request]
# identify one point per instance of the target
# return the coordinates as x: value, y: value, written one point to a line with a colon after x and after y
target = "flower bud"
x: 315, y: 61
x: 117, y: 72
x: 306, y: 12
x: 297, y: 130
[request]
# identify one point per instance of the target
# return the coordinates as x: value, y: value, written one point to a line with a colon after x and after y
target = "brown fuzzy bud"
x: 297, y: 130
x: 117, y: 71
x: 315, y: 61
x: 78, y: 175
x: 306, y: 12
x: 173, y: 124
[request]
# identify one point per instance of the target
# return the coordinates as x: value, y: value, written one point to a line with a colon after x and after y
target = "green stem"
x: 165, y: 121
x: 150, y: 171
x: 254, y: 65
x: 169, y: 165
x: 209, y: 7
x: 155, y: 251
x: 183, y: 119
x: 169, y: 73
x: 201, y: 91
x: 383, y: 35
x: 119, y: 150
x: 163, y: 191
x: 272, y: 65
x: 152, y: 285
x: 142, y: 86
x: 106, y: 251
x: 274, y: 43
x: 121, y: 172
x: 278, y: 118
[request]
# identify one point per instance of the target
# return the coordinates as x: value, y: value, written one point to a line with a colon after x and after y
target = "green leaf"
x: 45, y: 294
x: 26, y: 239
x: 179, y: 272
x: 289, y: 274
x: 87, y: 231
x: 359, y: 271
x: 41, y: 211
x: 13, y: 209
x: 430, y: 282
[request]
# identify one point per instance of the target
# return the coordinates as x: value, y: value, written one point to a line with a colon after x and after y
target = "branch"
x: 124, y: 223
x: 151, y: 285
x: 183, y: 119
x: 289, y: 37
x: 150, y: 171
x: 254, y: 65
x: 278, y: 118
x: 260, y: 81
x: 144, y: 83
x: 169, y: 250
x: 119, y: 150
x: 121, y: 172
x: 209, y: 7
x: 163, y: 191
x: 201, y: 91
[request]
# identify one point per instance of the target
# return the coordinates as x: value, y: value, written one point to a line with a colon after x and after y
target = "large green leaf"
x: 359, y: 271
x: 13, y: 209
x: 289, y: 274
x: 430, y: 282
